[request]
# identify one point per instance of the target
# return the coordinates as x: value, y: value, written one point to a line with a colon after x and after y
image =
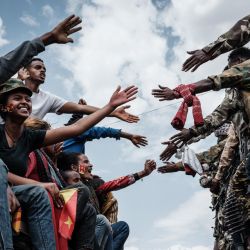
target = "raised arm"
x: 118, y: 98
x: 137, y: 140
x: 222, y: 113
x: 236, y: 37
x: 119, y: 113
x: 236, y: 76
x: 14, y: 60
x: 128, y: 180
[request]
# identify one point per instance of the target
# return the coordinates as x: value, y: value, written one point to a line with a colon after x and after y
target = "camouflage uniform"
x: 226, y: 169
x: 211, y: 157
x: 236, y: 37
x: 234, y: 107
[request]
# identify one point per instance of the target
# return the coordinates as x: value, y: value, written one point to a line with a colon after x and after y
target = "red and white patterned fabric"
x: 187, y: 93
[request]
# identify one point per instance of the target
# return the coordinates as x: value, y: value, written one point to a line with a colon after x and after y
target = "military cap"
x: 11, y: 85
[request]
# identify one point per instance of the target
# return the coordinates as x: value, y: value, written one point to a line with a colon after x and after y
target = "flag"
x: 68, y: 214
x: 16, y: 220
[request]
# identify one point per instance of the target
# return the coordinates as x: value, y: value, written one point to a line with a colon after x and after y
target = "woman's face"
x: 19, y: 104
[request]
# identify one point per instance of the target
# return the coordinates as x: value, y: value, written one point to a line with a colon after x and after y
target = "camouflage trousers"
x: 238, y: 186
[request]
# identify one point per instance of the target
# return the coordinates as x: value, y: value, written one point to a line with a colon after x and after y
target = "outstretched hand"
x: 181, y: 138
x: 149, y: 167
x: 139, y: 140
x: 168, y: 168
x: 168, y: 151
x: 120, y: 97
x: 60, y: 34
x: 163, y: 93
x: 125, y: 116
x: 197, y: 58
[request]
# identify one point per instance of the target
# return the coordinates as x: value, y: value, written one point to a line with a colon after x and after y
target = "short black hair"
x: 32, y: 60
x: 65, y: 175
x: 242, y: 52
x: 66, y: 160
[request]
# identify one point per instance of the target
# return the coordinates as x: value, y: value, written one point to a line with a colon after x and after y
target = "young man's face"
x: 73, y: 178
x: 85, y: 167
x: 37, y: 71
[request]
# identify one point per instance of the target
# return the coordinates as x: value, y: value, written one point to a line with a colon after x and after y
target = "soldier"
x: 236, y: 37
x: 210, y: 160
x: 234, y: 107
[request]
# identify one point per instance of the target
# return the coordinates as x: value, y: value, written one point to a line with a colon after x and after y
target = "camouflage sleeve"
x: 236, y: 37
x: 222, y: 113
x: 228, y: 153
x: 199, y: 137
x: 212, y: 154
x: 237, y: 75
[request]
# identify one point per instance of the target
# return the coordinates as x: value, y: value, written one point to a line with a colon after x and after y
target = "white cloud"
x: 3, y: 41
x: 132, y: 248
x: 190, y: 218
x: 29, y: 20
x: 180, y: 247
x: 48, y: 11
x: 120, y: 43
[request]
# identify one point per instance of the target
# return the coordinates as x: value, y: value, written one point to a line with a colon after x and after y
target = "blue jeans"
x: 5, y: 228
x: 103, y: 231
x: 120, y: 234
x: 36, y: 207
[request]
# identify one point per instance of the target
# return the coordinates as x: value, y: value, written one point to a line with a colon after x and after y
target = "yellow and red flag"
x: 16, y: 220
x: 68, y: 213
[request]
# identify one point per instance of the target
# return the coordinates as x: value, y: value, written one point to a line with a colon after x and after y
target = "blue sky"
x: 141, y: 42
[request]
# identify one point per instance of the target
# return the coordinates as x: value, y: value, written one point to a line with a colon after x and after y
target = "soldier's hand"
x: 181, y: 138
x: 215, y: 186
x: 170, y: 167
x: 197, y: 58
x: 168, y: 151
x: 163, y: 93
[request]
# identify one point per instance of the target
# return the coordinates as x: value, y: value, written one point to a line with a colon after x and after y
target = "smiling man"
x: 44, y: 102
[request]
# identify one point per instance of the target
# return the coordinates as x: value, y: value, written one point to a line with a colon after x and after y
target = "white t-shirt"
x: 44, y: 102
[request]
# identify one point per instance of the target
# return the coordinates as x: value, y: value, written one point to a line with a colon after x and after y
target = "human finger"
x: 75, y: 20
x: 132, y: 92
x: 175, y: 136
x: 190, y: 63
x: 197, y: 66
x: 73, y: 30
x: 129, y: 88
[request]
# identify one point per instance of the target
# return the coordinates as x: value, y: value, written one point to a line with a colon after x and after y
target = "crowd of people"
x: 49, y: 196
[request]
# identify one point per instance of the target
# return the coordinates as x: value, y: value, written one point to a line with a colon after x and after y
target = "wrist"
x: 111, y: 109
x: 126, y: 135
x: 192, y: 132
x: 47, y: 38
x: 142, y: 174
x: 113, y: 114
